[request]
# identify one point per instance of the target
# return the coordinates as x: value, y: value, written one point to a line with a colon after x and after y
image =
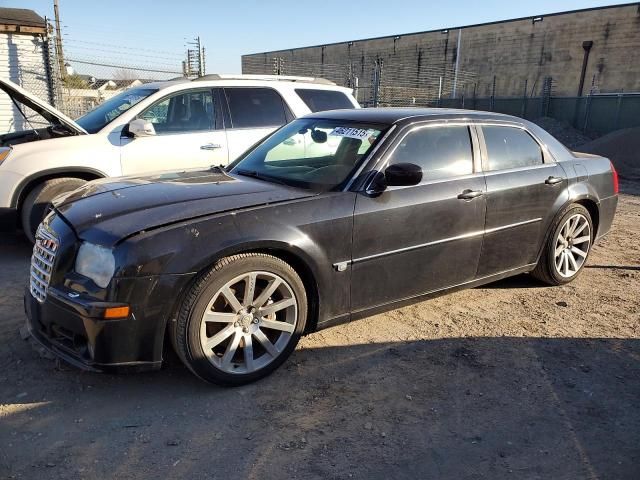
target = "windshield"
x: 311, y: 153
x: 108, y: 111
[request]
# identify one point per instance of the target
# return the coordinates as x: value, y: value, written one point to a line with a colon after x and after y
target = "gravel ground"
x: 512, y: 380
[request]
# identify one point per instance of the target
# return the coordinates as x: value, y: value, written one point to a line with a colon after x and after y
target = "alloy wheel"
x: 572, y: 245
x: 248, y: 322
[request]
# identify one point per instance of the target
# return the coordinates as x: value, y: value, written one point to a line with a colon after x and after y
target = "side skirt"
x: 422, y: 297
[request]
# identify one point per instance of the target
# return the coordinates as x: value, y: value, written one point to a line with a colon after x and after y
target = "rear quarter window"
x: 321, y: 100
x: 509, y: 147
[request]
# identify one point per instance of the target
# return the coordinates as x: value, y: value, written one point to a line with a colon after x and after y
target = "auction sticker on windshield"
x: 349, y: 132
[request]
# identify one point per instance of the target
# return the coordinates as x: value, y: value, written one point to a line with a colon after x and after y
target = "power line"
x: 127, y: 67
x: 176, y: 54
x: 128, y: 55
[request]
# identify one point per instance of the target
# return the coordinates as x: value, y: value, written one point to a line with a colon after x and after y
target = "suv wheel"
x: 567, y: 248
x: 241, y: 320
x: 38, y: 199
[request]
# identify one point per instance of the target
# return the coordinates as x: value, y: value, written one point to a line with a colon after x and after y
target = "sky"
x: 155, y: 33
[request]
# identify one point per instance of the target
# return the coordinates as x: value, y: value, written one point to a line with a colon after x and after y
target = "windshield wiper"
x: 259, y: 176
x: 219, y: 168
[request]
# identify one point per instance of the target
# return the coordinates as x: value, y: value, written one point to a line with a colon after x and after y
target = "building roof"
x: 21, y: 17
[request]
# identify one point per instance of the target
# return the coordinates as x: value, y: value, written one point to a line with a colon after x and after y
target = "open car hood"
x: 21, y: 96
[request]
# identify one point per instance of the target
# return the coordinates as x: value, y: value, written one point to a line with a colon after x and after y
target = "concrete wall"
x: 515, y: 52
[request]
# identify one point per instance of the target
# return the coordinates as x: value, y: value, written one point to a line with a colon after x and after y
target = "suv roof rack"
x: 288, y: 78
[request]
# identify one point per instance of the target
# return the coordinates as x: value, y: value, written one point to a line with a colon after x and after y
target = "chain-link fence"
x: 395, y: 79
x: 89, y: 74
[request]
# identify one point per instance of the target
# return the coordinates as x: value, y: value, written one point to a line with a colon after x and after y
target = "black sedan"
x: 331, y: 218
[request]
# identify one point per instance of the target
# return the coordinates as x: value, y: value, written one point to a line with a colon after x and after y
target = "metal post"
x: 524, y: 99
x: 546, y: 96
x: 587, y: 113
x: 47, y: 64
x: 493, y: 93
x: 455, y: 76
x: 59, y: 53
x: 618, y: 108
x: 475, y: 98
x: 355, y: 88
x: 440, y: 91
x: 376, y: 82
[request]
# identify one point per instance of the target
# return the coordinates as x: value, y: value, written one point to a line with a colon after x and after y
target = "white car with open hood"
x: 170, y: 125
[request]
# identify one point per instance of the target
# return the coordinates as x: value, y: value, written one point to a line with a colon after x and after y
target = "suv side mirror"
x: 141, y: 128
x: 403, y: 174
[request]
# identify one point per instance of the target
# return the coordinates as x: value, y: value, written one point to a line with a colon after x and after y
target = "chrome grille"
x: 42, y: 260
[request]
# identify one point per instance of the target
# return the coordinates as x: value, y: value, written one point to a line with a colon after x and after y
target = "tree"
x: 125, y: 74
x: 75, y: 81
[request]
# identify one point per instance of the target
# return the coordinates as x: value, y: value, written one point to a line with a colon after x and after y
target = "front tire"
x: 567, y: 248
x: 36, y: 202
x: 241, y: 320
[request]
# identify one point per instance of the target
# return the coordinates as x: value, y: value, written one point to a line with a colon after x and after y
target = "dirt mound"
x: 563, y: 131
x: 622, y: 147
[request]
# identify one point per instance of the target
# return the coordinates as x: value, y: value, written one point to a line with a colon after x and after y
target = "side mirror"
x: 403, y: 174
x: 141, y: 128
x: 319, y: 136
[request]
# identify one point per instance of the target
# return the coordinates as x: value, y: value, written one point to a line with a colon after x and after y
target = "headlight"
x: 4, y: 153
x: 96, y: 262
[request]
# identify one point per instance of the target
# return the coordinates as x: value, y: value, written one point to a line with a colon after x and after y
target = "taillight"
x: 615, y: 178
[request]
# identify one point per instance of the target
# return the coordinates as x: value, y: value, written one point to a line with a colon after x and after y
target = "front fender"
x: 315, y: 233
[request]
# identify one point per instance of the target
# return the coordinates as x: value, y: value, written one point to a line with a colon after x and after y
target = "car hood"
x: 21, y: 96
x: 106, y: 211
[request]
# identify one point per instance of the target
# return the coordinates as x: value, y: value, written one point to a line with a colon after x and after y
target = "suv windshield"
x: 311, y: 153
x: 108, y: 111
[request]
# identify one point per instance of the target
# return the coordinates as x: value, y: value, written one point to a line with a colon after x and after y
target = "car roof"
x: 245, y: 82
x: 396, y: 115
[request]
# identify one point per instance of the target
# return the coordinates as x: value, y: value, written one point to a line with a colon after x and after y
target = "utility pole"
x: 59, y: 54
x: 195, y: 59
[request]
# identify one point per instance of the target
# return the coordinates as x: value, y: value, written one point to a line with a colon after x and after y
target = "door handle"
x: 470, y: 194
x: 553, y: 180
x: 210, y: 146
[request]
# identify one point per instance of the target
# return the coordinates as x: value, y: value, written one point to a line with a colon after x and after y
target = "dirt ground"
x: 512, y: 380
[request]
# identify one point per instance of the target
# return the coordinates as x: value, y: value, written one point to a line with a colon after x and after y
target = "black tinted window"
x: 440, y: 151
x: 255, y: 107
x: 321, y: 100
x: 509, y: 147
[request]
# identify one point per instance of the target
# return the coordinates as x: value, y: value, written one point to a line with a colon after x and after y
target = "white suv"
x: 156, y: 126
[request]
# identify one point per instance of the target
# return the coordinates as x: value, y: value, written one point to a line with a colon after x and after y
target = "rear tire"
x: 567, y: 248
x: 39, y: 198
x: 241, y: 320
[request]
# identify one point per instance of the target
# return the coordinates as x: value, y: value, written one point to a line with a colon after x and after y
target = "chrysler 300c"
x: 333, y: 217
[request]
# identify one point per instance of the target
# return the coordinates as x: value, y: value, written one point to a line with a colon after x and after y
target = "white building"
x: 23, y: 60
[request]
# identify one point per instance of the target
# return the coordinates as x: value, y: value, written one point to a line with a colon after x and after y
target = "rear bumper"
x: 606, y: 212
x: 72, y: 328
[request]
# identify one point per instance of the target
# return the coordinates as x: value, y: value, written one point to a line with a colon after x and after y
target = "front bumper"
x: 72, y: 327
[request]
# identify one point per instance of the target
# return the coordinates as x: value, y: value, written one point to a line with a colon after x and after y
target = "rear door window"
x: 255, y: 107
x: 321, y: 100
x: 509, y: 147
